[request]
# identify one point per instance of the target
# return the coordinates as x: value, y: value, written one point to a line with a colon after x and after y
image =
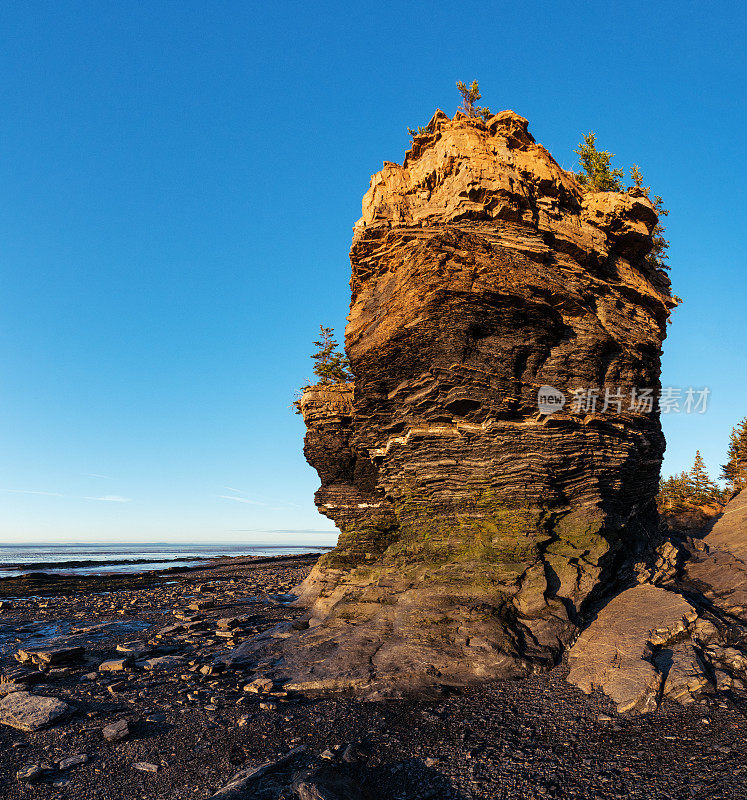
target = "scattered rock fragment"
x: 260, y: 685
x: 51, y: 656
x: 145, y: 766
x: 116, y: 731
x: 241, y: 782
x: 30, y: 773
x: 72, y: 761
x: 327, y: 783
x: 117, y: 665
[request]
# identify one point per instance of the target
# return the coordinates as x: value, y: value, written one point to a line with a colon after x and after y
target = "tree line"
x: 694, y: 487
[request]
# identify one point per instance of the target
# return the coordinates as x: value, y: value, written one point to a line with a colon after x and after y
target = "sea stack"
x: 476, y: 524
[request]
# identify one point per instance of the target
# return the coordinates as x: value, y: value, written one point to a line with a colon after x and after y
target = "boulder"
x: 51, y: 656
x: 615, y: 653
x: 30, y: 712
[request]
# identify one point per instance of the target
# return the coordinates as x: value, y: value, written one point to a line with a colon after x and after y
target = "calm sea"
x: 91, y: 559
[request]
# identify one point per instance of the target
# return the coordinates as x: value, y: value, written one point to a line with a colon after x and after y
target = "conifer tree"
x: 734, y: 472
x: 702, y: 489
x: 470, y: 96
x: 658, y: 256
x: 330, y: 365
x: 598, y: 173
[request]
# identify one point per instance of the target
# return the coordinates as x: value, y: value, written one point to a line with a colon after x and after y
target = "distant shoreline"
x: 85, y: 564
x: 50, y: 584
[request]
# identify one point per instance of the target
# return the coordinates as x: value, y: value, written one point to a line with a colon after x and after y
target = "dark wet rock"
x: 51, y: 656
x: 116, y: 731
x: 328, y: 783
x: 238, y: 788
x: 72, y: 761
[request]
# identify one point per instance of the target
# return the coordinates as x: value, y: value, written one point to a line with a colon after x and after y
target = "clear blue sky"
x: 178, y: 185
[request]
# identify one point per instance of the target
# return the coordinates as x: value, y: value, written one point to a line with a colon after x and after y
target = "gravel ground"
x: 192, y: 728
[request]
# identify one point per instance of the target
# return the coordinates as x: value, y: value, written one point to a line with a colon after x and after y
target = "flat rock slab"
x: 29, y: 712
x: 729, y: 532
x: 164, y: 662
x: 611, y: 654
x: 51, y: 656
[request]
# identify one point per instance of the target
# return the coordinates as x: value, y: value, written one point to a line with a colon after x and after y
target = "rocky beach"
x: 125, y: 694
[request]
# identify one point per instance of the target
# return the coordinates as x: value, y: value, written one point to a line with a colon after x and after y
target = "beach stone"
x: 242, y: 782
x: 134, y: 649
x: 164, y: 662
x: 327, y: 783
x: 117, y: 665
x: 200, y: 605
x: 30, y: 773
x: 29, y: 712
x: 259, y: 685
x: 72, y: 761
x: 145, y: 766
x: 116, y: 731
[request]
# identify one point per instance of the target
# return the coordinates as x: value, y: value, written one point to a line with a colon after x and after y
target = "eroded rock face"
x: 615, y: 653
x: 649, y: 643
x: 473, y: 527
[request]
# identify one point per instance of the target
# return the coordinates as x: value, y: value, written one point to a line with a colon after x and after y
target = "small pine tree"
x: 598, y: 173
x: 702, y: 489
x: 658, y: 256
x: 734, y: 472
x: 637, y: 177
x: 330, y: 365
x: 470, y: 96
x: 419, y: 131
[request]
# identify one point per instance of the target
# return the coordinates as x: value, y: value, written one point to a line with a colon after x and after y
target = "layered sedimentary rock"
x: 474, y: 528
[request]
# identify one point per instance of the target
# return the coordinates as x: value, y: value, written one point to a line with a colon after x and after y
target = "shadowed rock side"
x: 473, y: 528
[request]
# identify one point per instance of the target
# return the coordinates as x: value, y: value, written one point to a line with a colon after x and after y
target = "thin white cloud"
x: 231, y: 489
x: 96, y: 475
x: 31, y: 491
x: 241, y: 499
x: 107, y: 498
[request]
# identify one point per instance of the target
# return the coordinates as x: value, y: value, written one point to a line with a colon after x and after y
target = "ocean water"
x: 101, y: 559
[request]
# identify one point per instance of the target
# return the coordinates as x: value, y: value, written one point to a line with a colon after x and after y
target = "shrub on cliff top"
x: 330, y: 365
x: 598, y: 173
x: 658, y: 255
x: 470, y: 95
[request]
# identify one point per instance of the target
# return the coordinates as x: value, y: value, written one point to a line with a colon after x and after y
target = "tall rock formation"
x: 474, y: 528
